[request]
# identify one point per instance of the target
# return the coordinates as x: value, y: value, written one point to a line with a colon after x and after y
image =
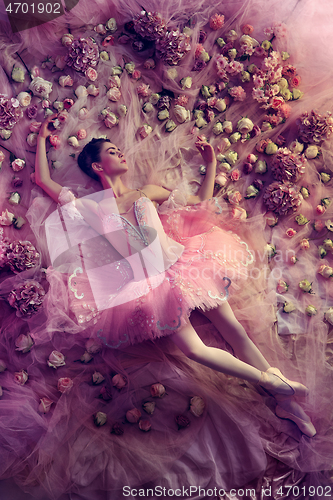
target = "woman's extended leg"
x: 233, y: 332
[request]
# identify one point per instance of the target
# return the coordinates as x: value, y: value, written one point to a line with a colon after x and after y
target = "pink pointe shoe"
x: 275, y: 383
x: 305, y: 426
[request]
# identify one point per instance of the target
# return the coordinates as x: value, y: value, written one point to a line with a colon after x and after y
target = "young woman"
x: 166, y: 302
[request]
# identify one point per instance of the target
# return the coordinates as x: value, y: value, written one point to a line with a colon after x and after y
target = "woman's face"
x: 112, y: 160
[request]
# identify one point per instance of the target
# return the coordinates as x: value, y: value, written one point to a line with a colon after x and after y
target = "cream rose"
x: 288, y: 307
x: 65, y: 384
x: 81, y: 91
x: 97, y: 378
x: 197, y: 406
x: 119, y: 381
x: 181, y: 113
x: 305, y: 286
x: 24, y: 99
x: 21, y: 377
x: 45, y: 405
x: 227, y: 127
x: 157, y: 390
x: 41, y: 87
x: 260, y: 167
x: 186, y: 82
x: 56, y: 359
x: 93, y: 90
x: 220, y: 105
x: 100, y: 418
x: 245, y: 126
x: 133, y: 416
x: 72, y: 141
x: 6, y: 218
x: 311, y: 310
x: 218, y: 128
x: 311, y: 152
x: 149, y: 407
x: 24, y: 343
x: 32, y: 139
x: 66, y: 81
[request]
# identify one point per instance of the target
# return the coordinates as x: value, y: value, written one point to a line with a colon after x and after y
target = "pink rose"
x: 114, y: 81
x: 60, y: 62
x: 93, y: 90
x: 83, y: 113
x: 143, y: 90
x: 295, y: 81
x: 91, y: 74
x: 114, y: 94
x: 133, y: 416
x: 276, y: 102
x: 157, y: 390
x: 110, y: 120
x: 56, y: 359
x: 247, y: 29
x: 238, y: 213
x: 45, y: 103
x: 6, y: 218
x: 291, y: 232
x: 318, y: 225
x: 24, y: 343
x: 235, y: 197
x: 100, y: 29
x: 284, y: 111
x: 66, y: 81
x: 144, y: 425
x: 251, y: 158
x: 136, y: 74
x: 55, y: 141
x: 93, y: 347
x: 221, y: 179
x: 320, y: 209
x: 18, y: 165
x: 67, y: 39
x: 63, y: 115
x: 45, y: 405
x: 35, y: 72
x: 108, y: 40
x: 304, y: 244
x: 119, y: 381
x: 68, y: 103
x: 65, y: 384
x: 325, y: 271
x: 81, y: 134
x: 35, y: 126
x: 21, y: 377
x: 282, y: 287
x: 235, y: 175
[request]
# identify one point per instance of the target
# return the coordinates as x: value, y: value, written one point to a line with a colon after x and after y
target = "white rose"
x: 81, y: 91
x: 56, y: 359
x: 266, y: 126
x: 114, y: 81
x: 6, y: 218
x: 200, y: 122
x: 172, y: 73
x: 197, y: 406
x: 245, y: 125
x: 182, y: 114
x: 251, y: 191
x: 218, y: 128
x: 260, y: 167
x: 5, y: 134
x: 311, y: 310
x: 186, y: 82
x: 93, y: 90
x: 72, y: 141
x: 231, y: 157
x: 148, y: 107
x: 311, y: 152
x: 111, y: 25
x: 204, y: 56
x: 24, y: 99
x: 248, y: 41
x: 83, y: 113
x: 100, y: 418
x: 163, y: 114
x: 227, y: 127
x: 220, y: 105
x: 288, y: 307
x: 122, y: 110
x: 41, y: 87
x: 154, y: 98
x: 32, y: 139
x: 224, y: 144
x: 235, y: 137
x: 296, y: 147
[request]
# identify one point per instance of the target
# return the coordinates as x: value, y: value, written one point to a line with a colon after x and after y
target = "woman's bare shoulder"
x: 155, y: 192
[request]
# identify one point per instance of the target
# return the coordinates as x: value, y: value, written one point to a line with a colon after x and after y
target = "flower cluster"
x: 82, y: 54
x: 282, y: 197
x: 150, y: 26
x: 173, y: 46
x: 314, y: 127
x: 10, y: 112
x: 287, y: 166
x: 21, y: 255
x: 27, y: 298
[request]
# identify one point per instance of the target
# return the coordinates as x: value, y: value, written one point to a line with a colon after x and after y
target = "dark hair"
x: 89, y: 155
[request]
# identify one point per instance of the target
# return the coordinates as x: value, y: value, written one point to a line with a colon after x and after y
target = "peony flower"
x: 282, y: 286
x: 182, y: 421
x: 133, y: 416
x: 41, y: 87
x: 144, y: 425
x: 100, y: 418
x: 311, y: 310
x: 157, y: 390
x: 56, y: 359
x: 287, y: 166
x: 305, y: 286
x: 197, y: 406
x: 150, y: 26
x: 44, y: 405
x: 72, y: 141
x: 314, y: 127
x: 149, y: 407
x: 18, y: 165
x: 27, y: 298
x: 65, y: 384
x: 24, y: 343
x: 66, y: 81
x: 119, y: 381
x: 216, y: 22
x: 21, y: 377
x: 83, y: 54
x: 24, y: 98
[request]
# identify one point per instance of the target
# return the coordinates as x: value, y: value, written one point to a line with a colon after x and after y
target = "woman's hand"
x: 206, y: 150
x: 44, y: 130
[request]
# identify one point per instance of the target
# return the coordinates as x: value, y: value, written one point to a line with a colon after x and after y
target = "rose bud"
x: 65, y: 384
x: 305, y: 286
x: 45, y: 405
x: 311, y: 310
x: 21, y: 377
x: 304, y: 244
x: 133, y: 416
x: 149, y: 407
x: 93, y: 346
x: 55, y: 141
x: 105, y: 394
x: 100, y: 418
x: 197, y: 406
x: 320, y: 209
x: 288, y: 307
x: 119, y: 381
x: 81, y: 134
x: 291, y: 232
x: 97, y: 378
x: 86, y: 357
x: 24, y: 343
x: 56, y: 359
x: 182, y: 421
x: 19, y: 222
x: 17, y: 182
x: 258, y: 184
x: 117, y: 429
x: 144, y: 425
x: 157, y: 390
x: 247, y: 168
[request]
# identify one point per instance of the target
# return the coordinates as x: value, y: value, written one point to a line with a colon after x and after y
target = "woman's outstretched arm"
x: 42, y: 172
